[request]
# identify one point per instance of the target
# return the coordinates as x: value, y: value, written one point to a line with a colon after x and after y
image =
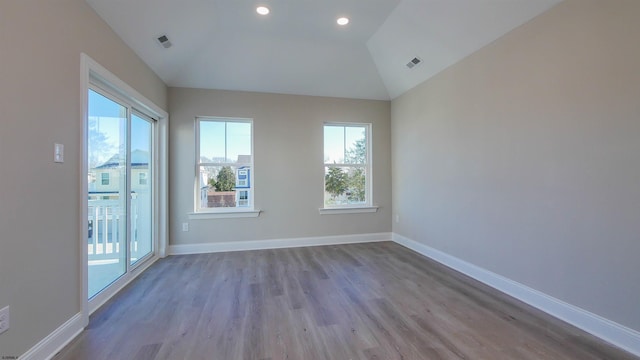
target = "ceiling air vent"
x: 164, y: 41
x: 414, y: 62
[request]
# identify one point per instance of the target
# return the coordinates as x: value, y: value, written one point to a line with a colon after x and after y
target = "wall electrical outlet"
x: 185, y: 226
x: 4, y: 319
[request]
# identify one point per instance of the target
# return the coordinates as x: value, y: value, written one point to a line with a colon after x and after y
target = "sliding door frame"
x: 93, y: 75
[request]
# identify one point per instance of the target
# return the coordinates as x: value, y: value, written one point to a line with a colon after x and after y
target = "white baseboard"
x: 612, y: 332
x: 54, y: 342
x: 48, y: 347
x: 276, y: 243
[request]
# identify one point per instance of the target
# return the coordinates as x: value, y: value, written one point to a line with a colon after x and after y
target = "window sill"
x: 348, y: 210
x: 231, y: 214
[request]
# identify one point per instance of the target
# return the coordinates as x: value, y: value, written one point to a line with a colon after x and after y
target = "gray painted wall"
x: 523, y: 158
x: 288, y: 148
x: 39, y: 200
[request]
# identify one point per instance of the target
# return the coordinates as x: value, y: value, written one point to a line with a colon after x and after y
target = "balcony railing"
x: 107, y: 228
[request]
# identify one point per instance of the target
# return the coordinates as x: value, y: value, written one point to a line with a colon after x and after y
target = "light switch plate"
x: 58, y: 153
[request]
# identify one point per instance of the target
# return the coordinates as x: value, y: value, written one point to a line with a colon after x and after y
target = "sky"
x: 225, y: 139
x: 110, y: 117
x: 338, y: 139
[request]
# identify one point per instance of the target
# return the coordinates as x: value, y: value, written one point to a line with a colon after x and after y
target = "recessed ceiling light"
x: 262, y: 10
x: 342, y: 21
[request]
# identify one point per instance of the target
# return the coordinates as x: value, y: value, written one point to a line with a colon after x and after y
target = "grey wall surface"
x: 39, y: 201
x: 288, y: 149
x: 523, y: 159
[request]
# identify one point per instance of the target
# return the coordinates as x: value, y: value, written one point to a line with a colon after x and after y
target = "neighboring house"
x: 237, y: 197
x: 105, y: 178
x: 243, y: 186
x: 204, y: 189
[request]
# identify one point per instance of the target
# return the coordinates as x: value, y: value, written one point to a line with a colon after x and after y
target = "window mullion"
x: 226, y: 142
x: 344, y: 143
x: 345, y: 165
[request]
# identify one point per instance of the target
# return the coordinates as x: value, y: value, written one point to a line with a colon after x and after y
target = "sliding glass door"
x: 120, y: 197
x: 141, y: 187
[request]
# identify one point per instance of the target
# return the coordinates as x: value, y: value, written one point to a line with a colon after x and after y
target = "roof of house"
x: 139, y: 159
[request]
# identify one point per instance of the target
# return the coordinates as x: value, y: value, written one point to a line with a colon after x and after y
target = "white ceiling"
x: 299, y: 49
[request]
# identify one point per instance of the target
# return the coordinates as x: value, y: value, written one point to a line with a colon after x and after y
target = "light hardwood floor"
x: 361, y: 301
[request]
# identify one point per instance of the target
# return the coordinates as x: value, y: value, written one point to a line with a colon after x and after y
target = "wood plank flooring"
x: 361, y: 301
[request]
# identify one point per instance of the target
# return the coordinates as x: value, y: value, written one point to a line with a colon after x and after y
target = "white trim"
x: 607, y: 330
x: 196, y: 193
x: 105, y: 78
x: 224, y: 214
x: 162, y: 186
x: 348, y: 210
x: 276, y: 243
x: 48, y: 347
x: 368, y: 166
x: 86, y: 64
x: 93, y: 73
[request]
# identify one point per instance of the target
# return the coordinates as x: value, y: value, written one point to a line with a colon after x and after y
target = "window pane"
x: 238, y: 142
x: 212, y: 141
x: 224, y: 186
x: 228, y: 183
x: 107, y: 197
x: 345, y: 185
x: 105, y: 178
x: 142, y: 190
x: 356, y: 145
x: 333, y: 144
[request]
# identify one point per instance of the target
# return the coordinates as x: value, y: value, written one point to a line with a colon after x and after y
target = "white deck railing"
x: 107, y: 228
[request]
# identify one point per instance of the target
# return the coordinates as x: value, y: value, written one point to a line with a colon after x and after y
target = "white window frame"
x: 368, y: 206
x: 95, y: 77
x: 222, y: 212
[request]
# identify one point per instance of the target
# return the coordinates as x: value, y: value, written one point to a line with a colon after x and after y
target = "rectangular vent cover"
x: 164, y: 41
x: 414, y: 62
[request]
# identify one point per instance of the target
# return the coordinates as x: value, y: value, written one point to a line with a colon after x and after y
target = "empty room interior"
x: 340, y: 179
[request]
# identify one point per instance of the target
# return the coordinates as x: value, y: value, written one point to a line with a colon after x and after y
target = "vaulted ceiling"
x: 299, y: 49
